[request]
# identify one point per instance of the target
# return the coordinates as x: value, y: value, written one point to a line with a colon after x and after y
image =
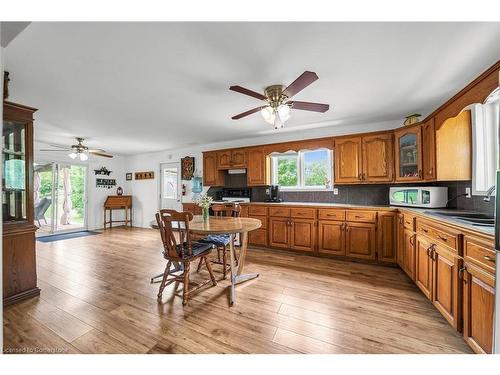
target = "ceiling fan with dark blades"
x: 79, y: 150
x: 277, y: 108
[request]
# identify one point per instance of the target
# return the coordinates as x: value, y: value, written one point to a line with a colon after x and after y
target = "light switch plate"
x: 467, y: 192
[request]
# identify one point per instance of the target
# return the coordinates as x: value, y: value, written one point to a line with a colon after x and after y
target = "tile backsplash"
x: 379, y: 195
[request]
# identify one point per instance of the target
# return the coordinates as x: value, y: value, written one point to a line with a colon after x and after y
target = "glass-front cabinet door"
x: 409, y: 154
x: 14, y: 181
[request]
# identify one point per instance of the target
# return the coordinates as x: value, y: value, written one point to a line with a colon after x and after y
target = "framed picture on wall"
x: 128, y: 176
x: 187, y: 165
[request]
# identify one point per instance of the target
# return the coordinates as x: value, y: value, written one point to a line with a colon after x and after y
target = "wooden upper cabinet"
x: 429, y: 149
x: 454, y: 148
x: 408, y: 153
x: 238, y: 158
x: 228, y: 159
x: 348, y: 163
x: 257, y: 167
x: 378, y: 156
x: 224, y: 159
x: 211, y: 175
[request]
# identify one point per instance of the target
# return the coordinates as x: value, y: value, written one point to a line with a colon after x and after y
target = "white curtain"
x: 66, y: 216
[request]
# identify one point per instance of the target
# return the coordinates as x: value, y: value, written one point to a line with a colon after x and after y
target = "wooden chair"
x: 184, y: 252
x: 221, y: 241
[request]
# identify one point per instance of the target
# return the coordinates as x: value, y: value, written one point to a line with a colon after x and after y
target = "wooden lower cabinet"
x: 423, y: 265
x: 407, y: 260
x: 478, y: 308
x: 279, y: 232
x: 331, y: 238
x: 446, y: 289
x: 387, y: 237
x: 360, y: 240
x: 258, y: 237
x: 303, y: 235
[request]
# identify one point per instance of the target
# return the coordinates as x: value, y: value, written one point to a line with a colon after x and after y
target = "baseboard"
x: 16, y: 298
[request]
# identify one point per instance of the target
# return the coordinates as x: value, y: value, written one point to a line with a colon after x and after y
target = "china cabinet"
x: 19, y: 262
x: 408, y: 154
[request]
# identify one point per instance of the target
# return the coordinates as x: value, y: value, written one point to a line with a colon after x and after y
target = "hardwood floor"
x: 96, y: 298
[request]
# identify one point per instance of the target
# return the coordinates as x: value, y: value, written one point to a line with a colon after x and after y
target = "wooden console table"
x: 118, y: 202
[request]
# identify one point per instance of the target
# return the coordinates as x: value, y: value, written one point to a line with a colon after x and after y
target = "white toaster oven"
x: 427, y: 196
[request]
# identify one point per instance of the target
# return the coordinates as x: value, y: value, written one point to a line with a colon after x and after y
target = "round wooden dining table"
x: 230, y: 226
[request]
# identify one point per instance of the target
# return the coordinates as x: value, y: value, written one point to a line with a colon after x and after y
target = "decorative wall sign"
x: 144, y: 175
x: 105, y: 183
x: 128, y: 176
x: 187, y: 166
x: 103, y: 171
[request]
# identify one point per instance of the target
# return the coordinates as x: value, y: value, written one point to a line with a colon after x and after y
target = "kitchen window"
x: 303, y: 170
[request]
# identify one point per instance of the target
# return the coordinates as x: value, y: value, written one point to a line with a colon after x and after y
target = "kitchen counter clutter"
x: 452, y: 262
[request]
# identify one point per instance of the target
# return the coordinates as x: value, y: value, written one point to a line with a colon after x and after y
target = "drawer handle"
x: 443, y: 238
x: 488, y: 258
x: 425, y: 230
x: 358, y: 217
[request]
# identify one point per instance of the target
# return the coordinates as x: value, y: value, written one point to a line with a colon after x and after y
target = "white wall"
x: 95, y: 196
x: 146, y: 192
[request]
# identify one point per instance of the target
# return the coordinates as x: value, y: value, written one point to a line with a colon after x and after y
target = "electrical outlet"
x: 335, y: 191
x: 467, y: 192
x: 268, y: 191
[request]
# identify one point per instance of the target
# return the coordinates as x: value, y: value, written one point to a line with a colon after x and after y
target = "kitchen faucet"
x: 489, y: 192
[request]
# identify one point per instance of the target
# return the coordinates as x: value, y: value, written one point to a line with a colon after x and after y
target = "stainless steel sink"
x: 471, y: 218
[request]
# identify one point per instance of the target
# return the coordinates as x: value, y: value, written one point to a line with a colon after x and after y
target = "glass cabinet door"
x: 14, y: 194
x: 409, y: 157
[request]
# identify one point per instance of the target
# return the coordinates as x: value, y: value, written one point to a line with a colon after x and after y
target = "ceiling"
x: 140, y: 87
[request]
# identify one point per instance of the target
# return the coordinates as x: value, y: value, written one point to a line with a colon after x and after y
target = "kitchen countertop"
x: 424, y: 212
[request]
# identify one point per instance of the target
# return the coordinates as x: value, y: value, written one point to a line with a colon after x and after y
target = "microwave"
x: 428, y: 197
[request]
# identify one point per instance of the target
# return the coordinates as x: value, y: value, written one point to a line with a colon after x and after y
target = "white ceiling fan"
x: 79, y: 150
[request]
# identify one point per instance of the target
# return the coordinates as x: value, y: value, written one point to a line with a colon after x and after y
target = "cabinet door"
x: 445, y: 295
x: 378, y: 158
x: 279, y: 232
x: 256, y: 167
x: 348, y: 160
x: 331, y: 237
x: 408, y: 154
x: 303, y: 235
x: 429, y: 150
x: 478, y: 309
x: 400, y: 241
x: 238, y: 158
x: 408, y: 253
x: 258, y: 237
x: 360, y: 240
x: 387, y: 232
x: 224, y: 159
x: 210, y: 173
x: 423, y: 266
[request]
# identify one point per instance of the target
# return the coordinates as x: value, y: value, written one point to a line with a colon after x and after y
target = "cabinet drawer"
x: 480, y: 253
x: 331, y: 214
x: 279, y: 212
x: 257, y: 210
x: 303, y: 213
x: 409, y: 222
x: 361, y: 216
x: 442, y: 236
x: 262, y: 218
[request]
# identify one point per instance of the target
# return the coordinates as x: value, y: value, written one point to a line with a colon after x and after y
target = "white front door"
x: 170, y: 190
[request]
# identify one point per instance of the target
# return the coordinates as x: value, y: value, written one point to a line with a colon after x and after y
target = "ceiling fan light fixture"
x: 284, y: 112
x: 72, y: 155
x: 268, y: 114
x: 83, y: 156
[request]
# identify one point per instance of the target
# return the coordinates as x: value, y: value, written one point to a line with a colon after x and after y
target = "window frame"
x: 301, y: 170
